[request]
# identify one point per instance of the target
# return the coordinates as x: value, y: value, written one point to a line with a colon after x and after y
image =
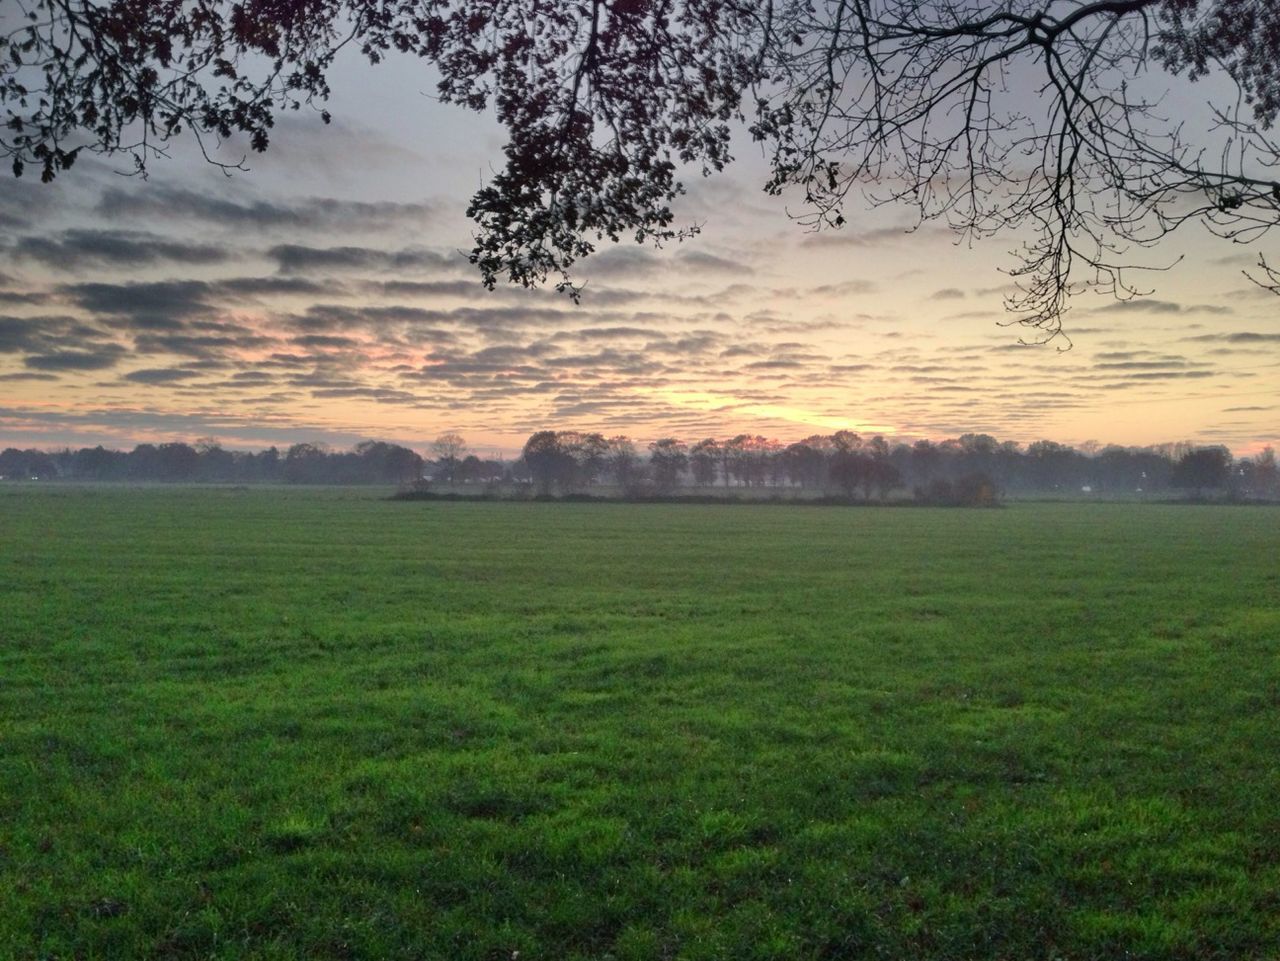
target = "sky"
x: 324, y: 296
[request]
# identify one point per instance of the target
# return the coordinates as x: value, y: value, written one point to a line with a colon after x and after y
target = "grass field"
x: 309, y: 724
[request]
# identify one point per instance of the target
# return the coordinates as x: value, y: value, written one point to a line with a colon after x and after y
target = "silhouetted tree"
x: 849, y: 470
x: 470, y: 469
x: 806, y: 463
x: 1263, y: 475
x: 937, y: 492
x: 13, y: 463
x: 26, y: 465
x: 746, y: 457
x: 1052, y: 465
x: 843, y: 441
x: 304, y: 464
x: 176, y: 461
x: 380, y: 462
x: 98, y: 463
x: 976, y: 489
x: 568, y: 460
x: 668, y: 459
x: 550, y: 464
x: 1205, y: 468
x: 448, y: 449
x: 704, y: 461
x: 624, y: 462
x: 475, y: 470
x: 883, y: 476
x: 925, y: 460
x: 214, y: 463
x: 603, y: 101
x: 267, y: 465
x: 591, y: 451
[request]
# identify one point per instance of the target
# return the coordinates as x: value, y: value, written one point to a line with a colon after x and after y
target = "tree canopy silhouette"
x: 1037, y: 116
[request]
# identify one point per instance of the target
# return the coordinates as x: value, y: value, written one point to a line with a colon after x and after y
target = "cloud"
x: 848, y: 237
x: 1148, y: 306
x: 324, y: 341
x: 297, y: 258
x: 947, y: 293
x: 494, y: 320
x: 771, y: 325
x: 67, y: 360
x: 323, y: 380
x: 1167, y: 363
x: 694, y: 348
x: 1238, y: 337
x: 52, y: 337
x: 1140, y: 306
x: 16, y: 333
x: 699, y: 261
x: 415, y: 322
x: 161, y: 375
x: 383, y: 395
x: 292, y: 214
x: 844, y: 288
x: 227, y: 339
x: 612, y: 333
x: 252, y: 377
x: 1236, y: 260
x: 162, y: 305
x: 23, y: 297
x: 971, y: 315
x: 1122, y: 354
x: 279, y: 287
x: 621, y: 262
x: 615, y: 361
x: 74, y: 250
x: 640, y: 262
x: 433, y: 288
x: 1167, y: 375
x: 23, y: 202
x: 108, y: 424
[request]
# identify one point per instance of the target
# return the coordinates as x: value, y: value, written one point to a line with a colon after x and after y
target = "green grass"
x: 308, y: 724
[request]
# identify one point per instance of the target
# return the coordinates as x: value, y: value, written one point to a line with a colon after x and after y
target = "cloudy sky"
x: 323, y: 296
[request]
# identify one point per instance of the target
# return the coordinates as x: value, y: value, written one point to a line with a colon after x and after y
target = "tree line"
x: 206, y: 461
x: 972, y: 468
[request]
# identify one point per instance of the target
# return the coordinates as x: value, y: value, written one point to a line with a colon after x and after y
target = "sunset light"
x: 639, y: 480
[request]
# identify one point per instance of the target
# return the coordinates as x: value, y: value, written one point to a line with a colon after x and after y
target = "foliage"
x: 624, y: 463
x: 668, y: 459
x: 976, y: 489
x: 955, y: 471
x: 449, y: 449
x: 1204, y: 467
x: 1033, y: 117
x: 303, y: 724
x: 370, y: 462
x: 923, y: 102
x: 550, y: 461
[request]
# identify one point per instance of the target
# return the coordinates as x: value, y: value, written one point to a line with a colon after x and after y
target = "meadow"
x: 316, y: 724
